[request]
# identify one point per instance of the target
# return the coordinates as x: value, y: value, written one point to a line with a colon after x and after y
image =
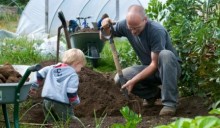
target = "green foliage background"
x: 14, y: 2
x: 194, y: 26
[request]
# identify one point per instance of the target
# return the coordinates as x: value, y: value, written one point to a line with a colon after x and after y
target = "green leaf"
x: 215, y: 111
x: 183, y: 123
x: 207, y: 121
x: 116, y: 125
x: 217, y: 33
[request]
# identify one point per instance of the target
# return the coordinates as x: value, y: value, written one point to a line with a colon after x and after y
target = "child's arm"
x: 35, y: 86
x: 73, y: 99
x: 40, y: 79
x: 72, y: 90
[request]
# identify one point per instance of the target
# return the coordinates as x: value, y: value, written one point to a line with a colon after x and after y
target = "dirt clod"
x: 8, y: 74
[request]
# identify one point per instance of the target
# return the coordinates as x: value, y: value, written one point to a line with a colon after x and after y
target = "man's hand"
x: 105, y: 29
x: 105, y: 23
x: 144, y: 73
x: 129, y: 86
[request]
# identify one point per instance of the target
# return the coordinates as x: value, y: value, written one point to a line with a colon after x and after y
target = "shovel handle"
x: 63, y: 21
x: 114, y: 52
x: 116, y: 61
x: 62, y: 18
x: 118, y: 68
x: 116, y: 58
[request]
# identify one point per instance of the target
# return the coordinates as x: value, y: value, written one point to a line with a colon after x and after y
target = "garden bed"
x: 99, y: 93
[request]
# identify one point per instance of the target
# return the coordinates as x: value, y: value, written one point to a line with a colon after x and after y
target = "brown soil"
x: 8, y: 74
x: 98, y: 93
x: 87, y: 30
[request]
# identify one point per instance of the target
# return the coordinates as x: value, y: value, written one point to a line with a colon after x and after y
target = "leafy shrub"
x: 195, y: 32
x: 126, y: 53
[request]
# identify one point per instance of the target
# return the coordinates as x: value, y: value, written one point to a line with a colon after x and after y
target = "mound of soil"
x: 8, y: 74
x: 99, y: 94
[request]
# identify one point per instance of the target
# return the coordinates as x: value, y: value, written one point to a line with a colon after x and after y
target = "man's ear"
x: 145, y: 18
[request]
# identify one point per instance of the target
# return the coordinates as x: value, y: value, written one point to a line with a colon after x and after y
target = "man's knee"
x: 129, y: 73
x: 166, y: 56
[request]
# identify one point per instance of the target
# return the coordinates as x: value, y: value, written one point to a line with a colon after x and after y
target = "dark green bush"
x: 194, y: 26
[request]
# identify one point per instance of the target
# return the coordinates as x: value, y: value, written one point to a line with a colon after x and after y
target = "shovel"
x: 64, y: 26
x: 122, y: 80
x: 134, y: 103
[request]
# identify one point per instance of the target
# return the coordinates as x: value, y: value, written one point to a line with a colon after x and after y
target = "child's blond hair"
x: 72, y: 56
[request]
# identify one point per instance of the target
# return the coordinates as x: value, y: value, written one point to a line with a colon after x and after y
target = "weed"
x: 132, y: 119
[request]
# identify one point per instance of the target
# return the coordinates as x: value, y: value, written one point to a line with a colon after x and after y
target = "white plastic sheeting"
x: 6, y: 34
x: 49, y: 47
x: 34, y: 19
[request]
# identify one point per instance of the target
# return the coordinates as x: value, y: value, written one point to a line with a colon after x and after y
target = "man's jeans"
x: 167, y: 75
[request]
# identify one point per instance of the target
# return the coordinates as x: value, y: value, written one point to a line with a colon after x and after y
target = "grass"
x: 19, y: 51
x: 9, y: 21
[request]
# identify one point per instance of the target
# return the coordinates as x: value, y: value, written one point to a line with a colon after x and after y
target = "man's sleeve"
x: 158, y: 41
x: 120, y: 29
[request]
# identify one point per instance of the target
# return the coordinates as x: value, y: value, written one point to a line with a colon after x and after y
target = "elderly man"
x: 160, y: 61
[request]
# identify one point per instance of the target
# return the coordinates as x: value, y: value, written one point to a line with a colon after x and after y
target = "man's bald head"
x: 135, y: 13
x: 136, y: 9
x: 136, y: 19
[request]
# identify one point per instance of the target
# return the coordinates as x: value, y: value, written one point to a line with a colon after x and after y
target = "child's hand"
x: 32, y: 92
x: 33, y: 89
x: 75, y: 102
